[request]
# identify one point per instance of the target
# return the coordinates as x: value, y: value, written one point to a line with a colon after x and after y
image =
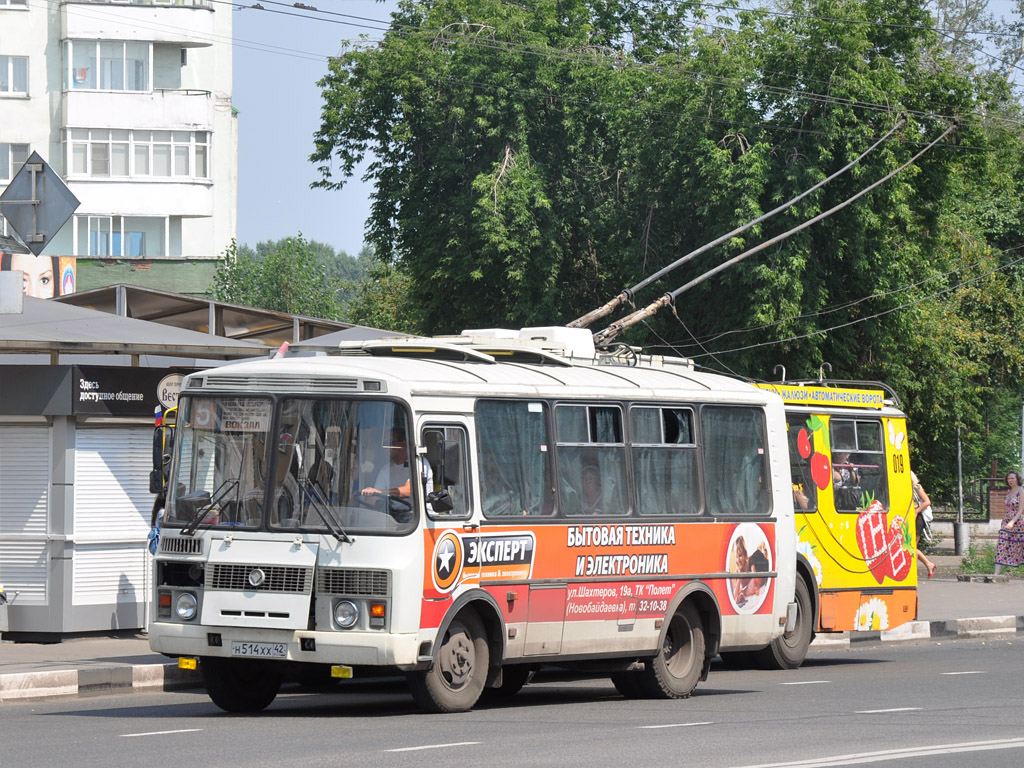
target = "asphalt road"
x: 936, y: 704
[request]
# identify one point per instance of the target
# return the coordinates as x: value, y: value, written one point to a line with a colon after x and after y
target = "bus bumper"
x: 348, y: 648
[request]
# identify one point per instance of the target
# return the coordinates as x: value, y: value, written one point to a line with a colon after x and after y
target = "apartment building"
x: 130, y: 102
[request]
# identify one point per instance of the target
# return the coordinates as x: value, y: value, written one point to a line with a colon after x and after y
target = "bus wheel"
x: 241, y: 685
x: 789, y: 650
x: 456, y: 680
x: 674, y: 673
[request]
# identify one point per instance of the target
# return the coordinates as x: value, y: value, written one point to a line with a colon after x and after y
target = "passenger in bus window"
x: 844, y: 474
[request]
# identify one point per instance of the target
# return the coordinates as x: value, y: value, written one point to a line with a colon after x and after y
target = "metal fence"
x: 982, y: 497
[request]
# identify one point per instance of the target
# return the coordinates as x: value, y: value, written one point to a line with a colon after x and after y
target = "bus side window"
x: 801, y: 441
x: 434, y: 438
x: 591, y: 460
x: 664, y: 452
x: 735, y: 466
x: 513, y: 458
x: 860, y: 472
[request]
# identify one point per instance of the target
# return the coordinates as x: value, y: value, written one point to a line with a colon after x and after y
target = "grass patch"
x: 983, y: 560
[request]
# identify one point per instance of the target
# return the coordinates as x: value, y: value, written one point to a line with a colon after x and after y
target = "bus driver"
x: 394, y: 478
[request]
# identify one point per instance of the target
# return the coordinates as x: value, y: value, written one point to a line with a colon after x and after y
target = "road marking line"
x: 674, y: 725
x: 881, y: 711
x: 808, y: 682
x: 972, y: 672
x: 434, y: 746
x: 899, y: 754
x: 160, y: 733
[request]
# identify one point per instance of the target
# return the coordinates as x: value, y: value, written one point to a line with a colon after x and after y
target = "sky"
x: 278, y: 60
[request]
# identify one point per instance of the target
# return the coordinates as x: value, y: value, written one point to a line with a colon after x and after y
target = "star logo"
x: 445, y: 553
x: 447, y: 561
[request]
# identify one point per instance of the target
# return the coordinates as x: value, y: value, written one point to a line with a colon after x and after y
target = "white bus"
x: 621, y: 513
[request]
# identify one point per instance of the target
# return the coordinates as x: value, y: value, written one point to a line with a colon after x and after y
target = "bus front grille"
x: 354, y: 581
x: 276, y: 578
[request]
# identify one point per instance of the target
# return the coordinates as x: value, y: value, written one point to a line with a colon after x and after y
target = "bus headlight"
x: 345, y: 614
x: 185, y: 606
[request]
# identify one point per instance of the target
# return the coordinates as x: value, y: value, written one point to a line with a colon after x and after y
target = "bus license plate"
x: 269, y: 650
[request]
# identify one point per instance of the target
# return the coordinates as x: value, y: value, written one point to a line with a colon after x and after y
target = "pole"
x: 960, y: 531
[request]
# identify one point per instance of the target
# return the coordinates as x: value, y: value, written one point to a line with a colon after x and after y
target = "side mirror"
x: 440, y: 501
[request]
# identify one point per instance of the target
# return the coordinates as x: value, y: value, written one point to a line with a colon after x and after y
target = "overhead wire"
x: 830, y: 309
x: 883, y: 313
x: 621, y: 298
x: 613, y: 330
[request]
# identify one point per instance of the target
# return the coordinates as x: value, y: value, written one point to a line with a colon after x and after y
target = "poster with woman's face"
x: 42, y: 276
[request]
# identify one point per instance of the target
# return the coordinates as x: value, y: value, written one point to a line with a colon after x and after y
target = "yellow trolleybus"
x: 856, y: 540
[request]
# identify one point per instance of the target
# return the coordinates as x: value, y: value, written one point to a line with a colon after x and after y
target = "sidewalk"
x: 122, y: 662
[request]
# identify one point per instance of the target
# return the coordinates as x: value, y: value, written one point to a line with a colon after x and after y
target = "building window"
x: 121, y: 236
x: 12, y: 157
x: 13, y: 75
x: 13, y: 3
x: 102, y: 153
x: 107, y: 65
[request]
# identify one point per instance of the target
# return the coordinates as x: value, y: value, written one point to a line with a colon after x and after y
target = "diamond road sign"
x: 37, y: 203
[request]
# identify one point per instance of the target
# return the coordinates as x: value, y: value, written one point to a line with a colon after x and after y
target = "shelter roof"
x: 193, y: 313
x: 47, y: 325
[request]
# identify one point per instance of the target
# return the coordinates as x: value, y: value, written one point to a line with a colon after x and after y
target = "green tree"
x: 288, y: 277
x: 531, y: 160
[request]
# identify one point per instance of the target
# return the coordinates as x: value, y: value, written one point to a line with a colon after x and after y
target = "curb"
x: 95, y: 681
x: 915, y: 631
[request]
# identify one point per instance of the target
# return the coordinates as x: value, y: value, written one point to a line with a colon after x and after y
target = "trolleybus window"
x: 858, y: 464
x: 735, y: 464
x: 591, y: 460
x: 515, y: 469
x: 665, y: 461
x: 801, y: 449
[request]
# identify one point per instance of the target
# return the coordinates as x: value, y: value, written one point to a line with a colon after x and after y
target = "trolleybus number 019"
x: 273, y: 650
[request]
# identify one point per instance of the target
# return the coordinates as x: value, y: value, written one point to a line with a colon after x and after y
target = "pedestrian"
x: 1010, y: 549
x: 922, y: 516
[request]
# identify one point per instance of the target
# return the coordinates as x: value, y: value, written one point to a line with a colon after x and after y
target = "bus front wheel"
x: 675, y: 672
x: 456, y: 679
x: 241, y: 685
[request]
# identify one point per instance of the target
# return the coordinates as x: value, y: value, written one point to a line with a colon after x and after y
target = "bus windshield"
x: 331, y: 466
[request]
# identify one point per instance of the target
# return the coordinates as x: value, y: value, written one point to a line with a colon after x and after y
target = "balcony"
x: 136, y: 197
x: 185, y: 23
x: 163, y: 109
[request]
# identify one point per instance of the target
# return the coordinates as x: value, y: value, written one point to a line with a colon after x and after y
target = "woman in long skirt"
x: 1010, y: 549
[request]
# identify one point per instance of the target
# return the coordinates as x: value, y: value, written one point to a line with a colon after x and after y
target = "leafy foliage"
x: 532, y: 160
x: 286, y: 276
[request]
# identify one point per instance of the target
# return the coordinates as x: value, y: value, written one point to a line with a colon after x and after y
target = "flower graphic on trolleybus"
x: 871, y: 615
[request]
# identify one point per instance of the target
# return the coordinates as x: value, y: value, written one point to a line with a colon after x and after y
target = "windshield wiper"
x: 318, y: 502
x: 203, y: 503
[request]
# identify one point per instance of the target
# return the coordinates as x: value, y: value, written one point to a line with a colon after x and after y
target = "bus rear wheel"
x: 241, y: 685
x: 456, y: 679
x: 788, y: 651
x: 675, y: 672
